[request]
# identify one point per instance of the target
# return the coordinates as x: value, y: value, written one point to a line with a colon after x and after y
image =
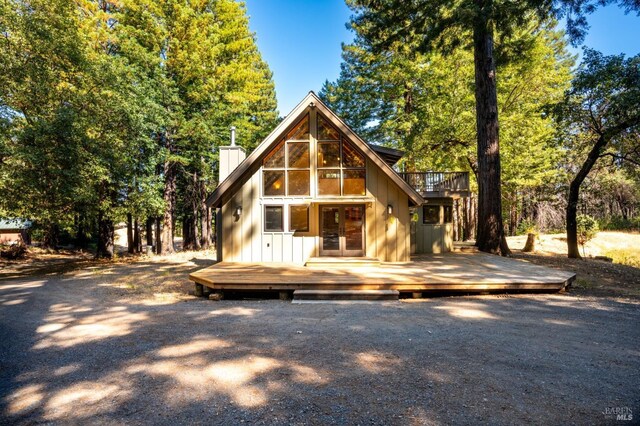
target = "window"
x: 286, y: 167
x: 448, y: 214
x: 341, y: 168
x: 431, y: 215
x: 299, y: 218
x: 273, y: 218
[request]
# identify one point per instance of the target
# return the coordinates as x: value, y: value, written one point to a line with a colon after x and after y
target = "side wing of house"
x: 313, y: 188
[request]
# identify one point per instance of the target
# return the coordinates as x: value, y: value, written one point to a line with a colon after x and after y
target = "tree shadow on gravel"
x: 76, y: 354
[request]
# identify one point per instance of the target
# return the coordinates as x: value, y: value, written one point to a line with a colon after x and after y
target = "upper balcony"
x: 438, y: 184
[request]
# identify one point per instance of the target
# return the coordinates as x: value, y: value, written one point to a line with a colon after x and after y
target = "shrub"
x: 527, y: 226
x: 14, y: 251
x: 587, y: 229
x: 617, y: 223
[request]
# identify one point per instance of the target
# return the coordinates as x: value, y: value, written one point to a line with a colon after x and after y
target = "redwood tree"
x: 446, y: 24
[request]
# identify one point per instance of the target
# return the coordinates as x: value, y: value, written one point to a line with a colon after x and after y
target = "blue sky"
x: 301, y: 41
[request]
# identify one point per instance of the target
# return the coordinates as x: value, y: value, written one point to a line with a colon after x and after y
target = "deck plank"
x: 438, y: 272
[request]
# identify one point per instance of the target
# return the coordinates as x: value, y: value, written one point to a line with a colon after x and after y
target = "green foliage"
x: 90, y: 91
x: 424, y: 104
x: 587, y: 229
x: 618, y: 223
x: 527, y: 226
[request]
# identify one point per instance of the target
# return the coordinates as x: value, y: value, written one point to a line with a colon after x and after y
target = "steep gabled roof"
x: 234, y: 180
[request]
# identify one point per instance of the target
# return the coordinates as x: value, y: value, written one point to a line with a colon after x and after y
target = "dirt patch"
x: 73, y: 351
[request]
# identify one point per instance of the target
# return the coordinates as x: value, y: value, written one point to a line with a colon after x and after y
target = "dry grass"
x: 595, y: 277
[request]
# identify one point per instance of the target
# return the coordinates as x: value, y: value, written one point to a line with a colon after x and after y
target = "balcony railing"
x: 428, y: 183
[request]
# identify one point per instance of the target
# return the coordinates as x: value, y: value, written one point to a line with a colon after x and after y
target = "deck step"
x: 356, y: 295
x: 465, y: 248
x: 324, y: 262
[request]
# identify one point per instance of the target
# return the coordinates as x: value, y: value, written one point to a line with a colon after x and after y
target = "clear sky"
x: 301, y: 41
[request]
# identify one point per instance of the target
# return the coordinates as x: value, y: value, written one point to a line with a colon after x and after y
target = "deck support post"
x: 284, y: 295
x: 199, y: 292
x: 416, y: 295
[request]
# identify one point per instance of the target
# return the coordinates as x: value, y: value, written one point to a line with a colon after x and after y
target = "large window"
x: 286, y: 168
x: 273, y: 218
x: 299, y: 218
x: 341, y: 167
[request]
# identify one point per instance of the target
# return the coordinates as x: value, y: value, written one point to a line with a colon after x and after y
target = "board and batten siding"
x: 244, y: 239
x: 243, y: 236
x: 387, y: 236
x: 433, y: 238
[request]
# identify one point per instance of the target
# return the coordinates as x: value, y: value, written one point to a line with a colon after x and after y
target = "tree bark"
x: 530, y: 245
x: 205, y: 224
x: 574, y: 196
x: 137, y: 241
x: 105, y: 237
x: 158, y: 236
x: 169, y: 196
x: 130, y: 247
x: 191, y: 240
x: 490, y: 233
x: 82, y: 239
x: 51, y: 236
x: 149, y: 231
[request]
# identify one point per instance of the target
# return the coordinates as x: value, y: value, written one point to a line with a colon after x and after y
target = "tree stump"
x: 530, y: 245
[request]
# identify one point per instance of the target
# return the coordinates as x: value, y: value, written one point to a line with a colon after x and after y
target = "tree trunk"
x: 158, y: 236
x: 105, y: 237
x: 51, y: 236
x: 191, y: 240
x: 205, y: 224
x: 530, y: 245
x: 149, y: 231
x: 169, y: 197
x: 130, y: 247
x: 188, y: 239
x: 574, y: 196
x: 137, y: 241
x: 82, y: 239
x: 490, y: 231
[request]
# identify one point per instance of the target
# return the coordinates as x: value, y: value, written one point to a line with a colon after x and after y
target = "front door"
x: 342, y: 230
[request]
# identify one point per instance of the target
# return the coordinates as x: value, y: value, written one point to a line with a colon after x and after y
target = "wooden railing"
x: 441, y: 182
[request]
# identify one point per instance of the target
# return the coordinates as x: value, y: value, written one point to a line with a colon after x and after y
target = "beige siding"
x: 387, y: 235
x: 436, y: 238
x: 244, y: 240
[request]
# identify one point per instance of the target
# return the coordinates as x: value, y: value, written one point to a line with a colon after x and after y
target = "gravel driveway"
x: 73, y: 352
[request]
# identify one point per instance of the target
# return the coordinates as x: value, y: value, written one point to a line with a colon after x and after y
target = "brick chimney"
x: 230, y: 157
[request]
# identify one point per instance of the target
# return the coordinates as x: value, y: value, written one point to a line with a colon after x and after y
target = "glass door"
x: 353, y: 230
x: 330, y: 228
x: 342, y: 230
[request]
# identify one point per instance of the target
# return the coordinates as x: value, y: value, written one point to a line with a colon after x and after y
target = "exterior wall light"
x: 238, y: 211
x: 389, y: 209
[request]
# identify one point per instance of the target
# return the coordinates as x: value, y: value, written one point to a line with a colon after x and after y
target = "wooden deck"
x: 461, y: 272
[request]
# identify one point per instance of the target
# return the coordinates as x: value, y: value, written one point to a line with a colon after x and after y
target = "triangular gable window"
x: 301, y: 131
x: 326, y: 132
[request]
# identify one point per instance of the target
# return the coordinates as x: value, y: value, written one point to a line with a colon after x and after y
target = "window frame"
x: 266, y: 207
x: 424, y: 216
x: 308, y: 210
x: 447, y: 217
x: 341, y: 167
x: 286, y: 168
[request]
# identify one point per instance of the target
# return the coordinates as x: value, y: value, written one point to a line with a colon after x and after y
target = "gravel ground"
x: 95, y: 346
